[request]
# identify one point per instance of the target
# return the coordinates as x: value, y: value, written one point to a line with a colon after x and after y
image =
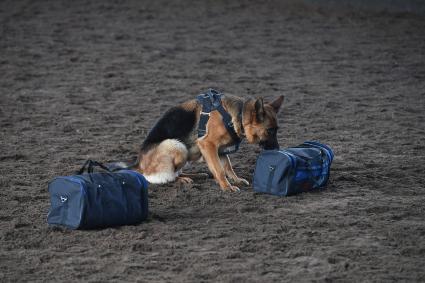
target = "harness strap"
x: 227, y: 119
x: 210, y: 101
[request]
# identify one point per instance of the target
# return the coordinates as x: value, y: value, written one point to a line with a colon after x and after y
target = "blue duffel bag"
x: 293, y: 170
x: 97, y: 200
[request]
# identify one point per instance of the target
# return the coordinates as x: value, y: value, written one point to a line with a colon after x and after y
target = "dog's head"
x: 260, y: 122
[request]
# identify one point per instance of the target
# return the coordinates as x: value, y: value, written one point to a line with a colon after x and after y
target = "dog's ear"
x: 259, y: 109
x: 277, y: 103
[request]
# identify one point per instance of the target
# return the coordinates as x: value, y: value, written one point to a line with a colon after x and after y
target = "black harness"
x: 211, y: 101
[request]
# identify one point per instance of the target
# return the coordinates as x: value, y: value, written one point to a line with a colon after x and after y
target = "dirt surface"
x: 87, y: 79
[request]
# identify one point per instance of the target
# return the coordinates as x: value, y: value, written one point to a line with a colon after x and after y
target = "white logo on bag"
x: 64, y: 199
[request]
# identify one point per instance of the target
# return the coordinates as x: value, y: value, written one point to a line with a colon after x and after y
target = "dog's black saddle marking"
x: 176, y: 123
x: 211, y: 101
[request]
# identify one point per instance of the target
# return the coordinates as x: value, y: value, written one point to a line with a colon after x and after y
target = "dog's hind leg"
x: 162, y: 164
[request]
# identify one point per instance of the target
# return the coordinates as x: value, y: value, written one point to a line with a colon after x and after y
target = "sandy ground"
x: 87, y: 79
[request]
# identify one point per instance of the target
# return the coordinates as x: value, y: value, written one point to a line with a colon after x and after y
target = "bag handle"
x: 96, y: 163
x: 90, y: 164
x: 83, y: 168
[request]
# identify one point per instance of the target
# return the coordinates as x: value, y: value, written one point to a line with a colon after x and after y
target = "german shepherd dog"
x: 173, y: 141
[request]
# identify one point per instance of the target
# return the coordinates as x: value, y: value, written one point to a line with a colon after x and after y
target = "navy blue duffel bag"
x: 293, y: 170
x: 96, y: 200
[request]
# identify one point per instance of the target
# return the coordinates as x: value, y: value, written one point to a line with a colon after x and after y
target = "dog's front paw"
x: 231, y: 189
x: 242, y: 181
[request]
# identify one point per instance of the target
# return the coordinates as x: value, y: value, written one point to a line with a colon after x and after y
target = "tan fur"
x: 168, y: 157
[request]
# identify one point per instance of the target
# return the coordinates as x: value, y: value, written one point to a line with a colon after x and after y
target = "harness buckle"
x: 205, y: 113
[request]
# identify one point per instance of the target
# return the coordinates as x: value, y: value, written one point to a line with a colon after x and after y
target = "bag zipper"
x: 270, y: 179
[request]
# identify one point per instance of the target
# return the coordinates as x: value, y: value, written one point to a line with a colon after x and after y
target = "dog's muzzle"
x: 271, y: 142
